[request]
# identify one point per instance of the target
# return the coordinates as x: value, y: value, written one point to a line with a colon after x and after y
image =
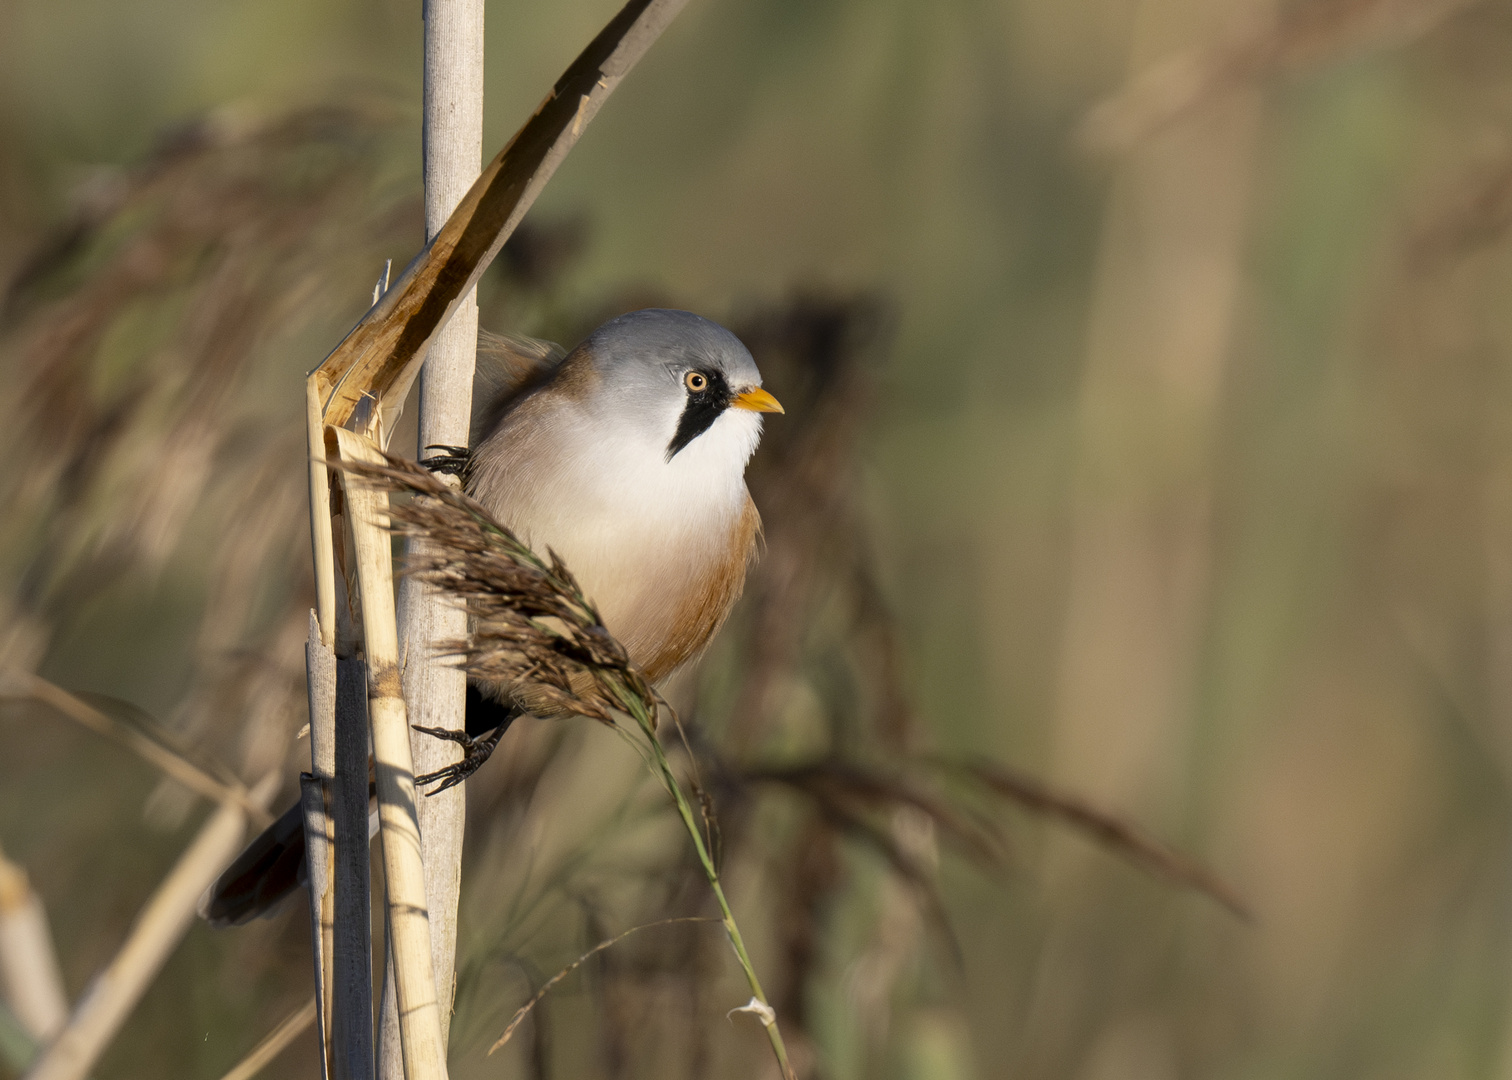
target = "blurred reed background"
x: 1149, y: 431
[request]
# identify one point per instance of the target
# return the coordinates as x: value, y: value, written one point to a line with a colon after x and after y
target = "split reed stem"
x: 403, y: 866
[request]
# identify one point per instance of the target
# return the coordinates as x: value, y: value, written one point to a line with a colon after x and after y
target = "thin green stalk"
x: 636, y: 708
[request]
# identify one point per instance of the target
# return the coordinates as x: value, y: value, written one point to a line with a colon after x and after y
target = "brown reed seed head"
x: 533, y: 633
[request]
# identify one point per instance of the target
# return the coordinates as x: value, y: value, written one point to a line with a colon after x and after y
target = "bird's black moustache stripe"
x: 702, y: 409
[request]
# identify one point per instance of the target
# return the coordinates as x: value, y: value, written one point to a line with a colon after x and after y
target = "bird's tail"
x: 273, y: 865
x: 271, y: 868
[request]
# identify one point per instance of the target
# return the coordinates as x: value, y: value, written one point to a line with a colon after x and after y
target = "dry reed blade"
x: 367, y: 375
x: 524, y: 1010
x: 274, y: 1042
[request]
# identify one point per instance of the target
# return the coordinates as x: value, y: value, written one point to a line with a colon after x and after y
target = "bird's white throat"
x: 627, y: 464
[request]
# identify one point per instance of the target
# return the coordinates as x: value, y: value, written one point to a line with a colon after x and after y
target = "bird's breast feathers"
x: 661, y: 547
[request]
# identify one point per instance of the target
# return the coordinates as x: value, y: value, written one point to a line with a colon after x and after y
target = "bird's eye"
x: 696, y: 381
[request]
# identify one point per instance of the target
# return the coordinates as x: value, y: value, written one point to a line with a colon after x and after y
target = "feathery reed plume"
x: 243, y: 221
x: 536, y: 634
x: 539, y: 637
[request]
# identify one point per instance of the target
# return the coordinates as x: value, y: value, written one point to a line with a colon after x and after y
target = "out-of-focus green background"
x: 1187, y: 475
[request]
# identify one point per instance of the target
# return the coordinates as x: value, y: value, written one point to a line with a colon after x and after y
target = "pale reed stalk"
x: 435, y: 692
x: 315, y: 793
x: 29, y: 973
x: 419, y: 1008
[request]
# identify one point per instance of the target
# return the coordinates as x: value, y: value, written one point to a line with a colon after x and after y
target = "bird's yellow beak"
x: 757, y: 400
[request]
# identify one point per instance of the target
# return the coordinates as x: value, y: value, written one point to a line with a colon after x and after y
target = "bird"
x: 626, y: 457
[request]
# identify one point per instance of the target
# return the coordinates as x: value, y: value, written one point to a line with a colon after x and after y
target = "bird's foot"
x: 456, y: 461
x: 475, y: 751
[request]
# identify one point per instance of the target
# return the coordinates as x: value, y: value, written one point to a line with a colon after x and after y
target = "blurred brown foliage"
x: 1177, y: 476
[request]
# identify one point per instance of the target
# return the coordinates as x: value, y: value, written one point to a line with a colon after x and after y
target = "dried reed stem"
x: 168, y: 913
x: 340, y: 905
x: 404, y: 870
x: 315, y: 791
x: 273, y: 1043
x: 313, y: 797
x: 321, y: 542
x: 1111, y: 830
x: 352, y: 960
x: 29, y: 971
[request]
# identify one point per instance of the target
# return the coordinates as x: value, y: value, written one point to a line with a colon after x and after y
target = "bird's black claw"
x: 456, y: 461
x: 475, y: 751
x: 445, y: 733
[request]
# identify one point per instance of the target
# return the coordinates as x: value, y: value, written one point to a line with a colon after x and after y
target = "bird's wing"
x: 509, y: 366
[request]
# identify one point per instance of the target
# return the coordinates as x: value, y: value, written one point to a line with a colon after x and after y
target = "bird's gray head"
x: 680, y: 379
